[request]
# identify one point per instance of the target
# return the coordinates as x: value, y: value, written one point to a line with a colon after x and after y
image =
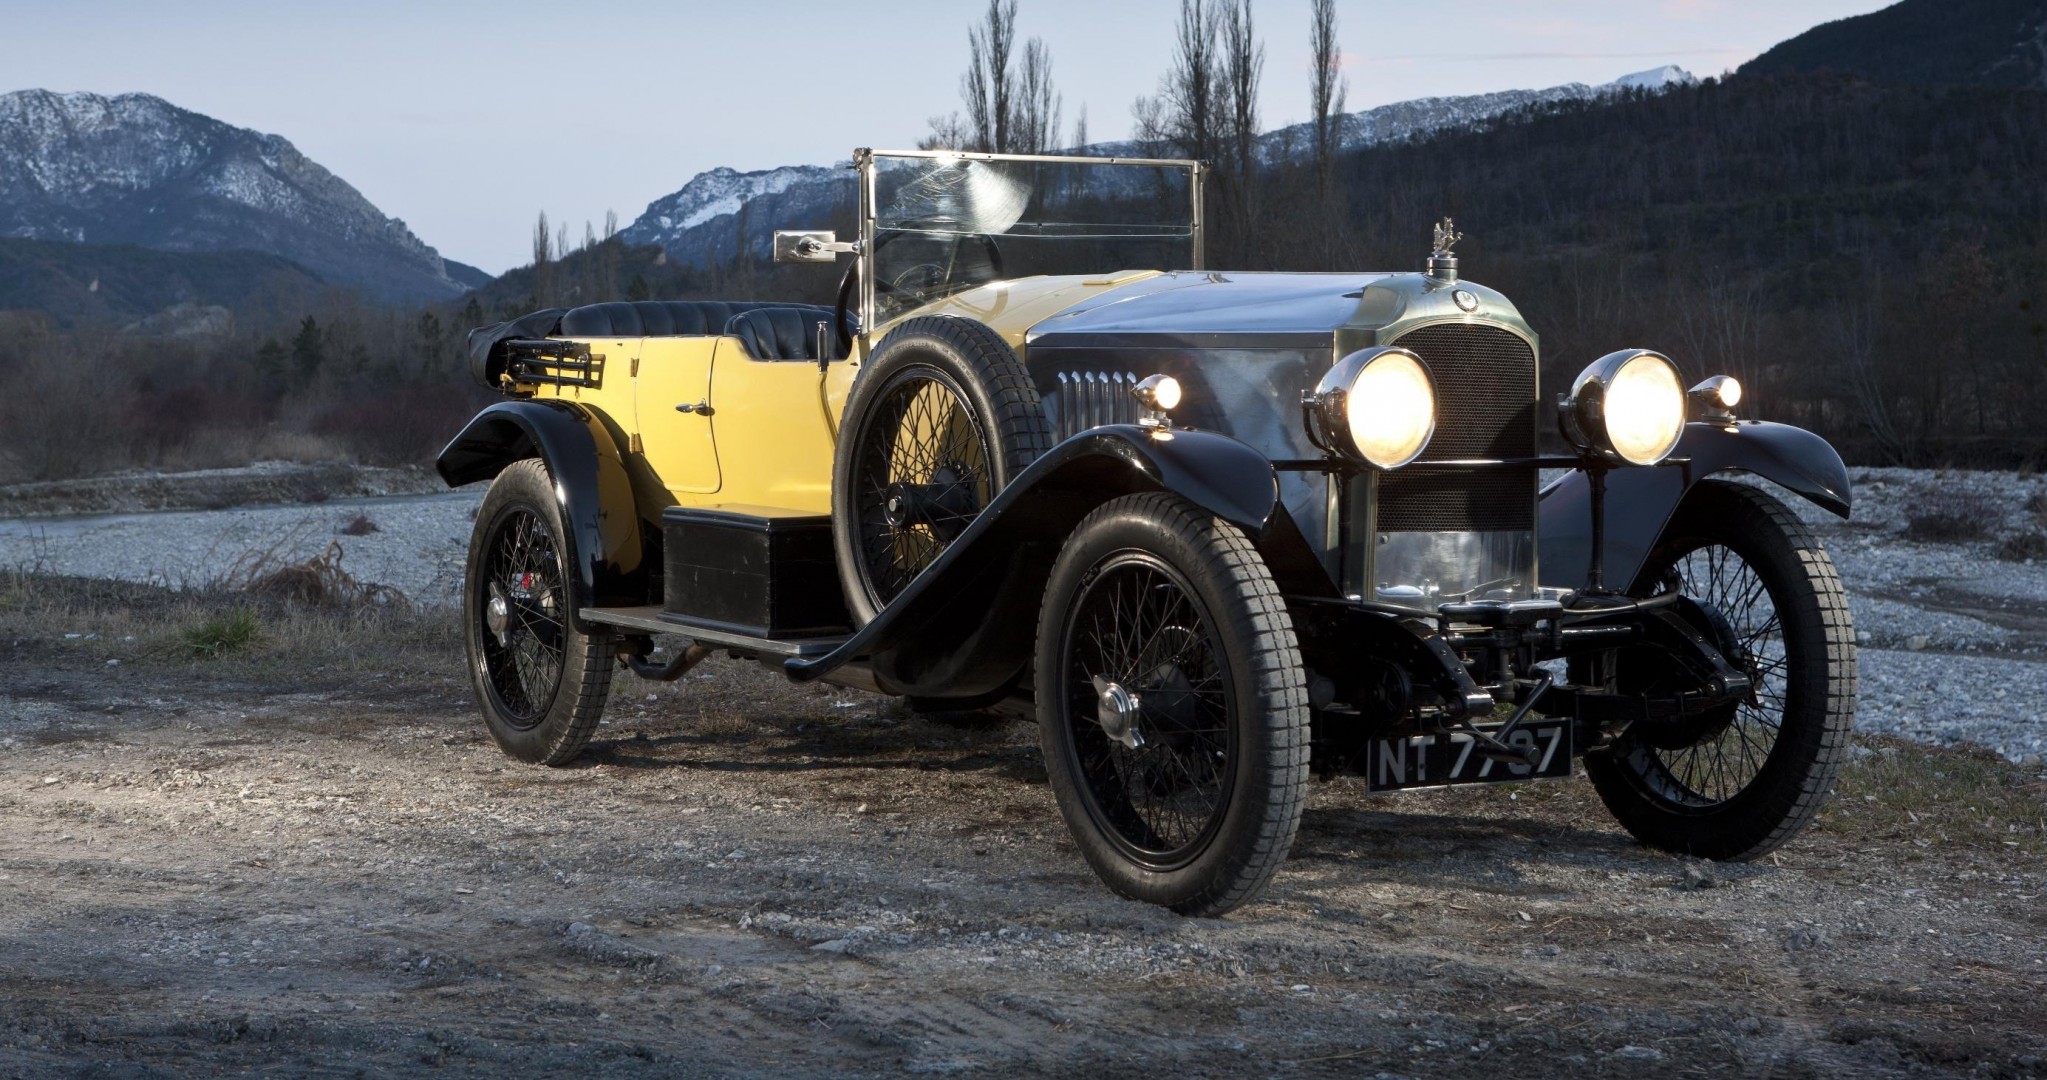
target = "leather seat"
x: 783, y: 332
x: 650, y: 318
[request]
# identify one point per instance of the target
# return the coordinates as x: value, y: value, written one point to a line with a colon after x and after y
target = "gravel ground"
x: 308, y: 860
x: 1955, y: 640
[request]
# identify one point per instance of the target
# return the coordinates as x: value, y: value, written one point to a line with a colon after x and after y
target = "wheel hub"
x: 497, y: 615
x: 944, y: 502
x: 1116, y: 710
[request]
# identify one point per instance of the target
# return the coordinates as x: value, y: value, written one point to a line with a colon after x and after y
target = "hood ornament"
x: 1443, y: 264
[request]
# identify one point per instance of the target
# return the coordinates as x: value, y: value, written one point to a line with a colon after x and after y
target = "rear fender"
x: 964, y: 628
x: 1640, y: 501
x: 605, y: 552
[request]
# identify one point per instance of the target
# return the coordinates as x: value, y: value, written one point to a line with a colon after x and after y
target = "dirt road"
x: 307, y: 859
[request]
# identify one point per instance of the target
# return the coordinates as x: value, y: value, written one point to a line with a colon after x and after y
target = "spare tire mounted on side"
x: 943, y: 417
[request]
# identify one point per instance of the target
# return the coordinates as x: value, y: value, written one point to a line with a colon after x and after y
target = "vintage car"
x: 1213, y: 529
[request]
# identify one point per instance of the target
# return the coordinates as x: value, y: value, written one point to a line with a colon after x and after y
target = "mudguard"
x: 1640, y: 501
x: 964, y: 628
x: 605, y: 553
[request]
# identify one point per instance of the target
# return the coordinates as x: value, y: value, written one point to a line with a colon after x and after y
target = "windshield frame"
x: 865, y: 160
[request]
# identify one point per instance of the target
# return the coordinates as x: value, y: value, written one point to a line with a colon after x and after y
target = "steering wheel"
x: 936, y: 273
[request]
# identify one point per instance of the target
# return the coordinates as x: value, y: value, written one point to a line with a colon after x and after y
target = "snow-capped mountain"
x: 1405, y: 119
x: 702, y: 221
x: 138, y: 170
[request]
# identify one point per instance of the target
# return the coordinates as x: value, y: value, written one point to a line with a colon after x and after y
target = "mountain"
x: 123, y: 285
x: 137, y: 170
x: 1963, y: 42
x: 701, y: 223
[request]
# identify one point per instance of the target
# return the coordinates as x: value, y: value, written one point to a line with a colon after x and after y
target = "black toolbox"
x: 754, y: 570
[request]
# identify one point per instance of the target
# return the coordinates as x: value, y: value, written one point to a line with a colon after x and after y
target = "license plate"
x: 1452, y: 757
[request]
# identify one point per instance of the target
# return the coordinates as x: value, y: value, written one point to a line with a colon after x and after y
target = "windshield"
x: 947, y: 222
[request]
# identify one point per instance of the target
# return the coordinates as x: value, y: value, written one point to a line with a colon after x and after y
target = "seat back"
x: 651, y: 318
x: 783, y: 332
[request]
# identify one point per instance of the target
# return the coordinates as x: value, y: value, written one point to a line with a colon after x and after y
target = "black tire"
x: 1221, y: 718
x: 540, y: 683
x: 1754, y: 776
x: 942, y: 418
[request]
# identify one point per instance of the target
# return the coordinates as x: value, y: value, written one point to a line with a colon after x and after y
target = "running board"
x: 651, y: 620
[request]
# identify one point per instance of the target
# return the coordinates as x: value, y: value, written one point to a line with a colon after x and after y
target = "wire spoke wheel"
x: 1172, y: 705
x: 942, y: 416
x: 522, y: 617
x: 1737, y: 780
x: 1158, y: 770
x: 540, y: 681
x: 922, y: 476
x: 1732, y: 748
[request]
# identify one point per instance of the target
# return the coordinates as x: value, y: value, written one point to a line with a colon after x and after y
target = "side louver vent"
x: 1086, y: 399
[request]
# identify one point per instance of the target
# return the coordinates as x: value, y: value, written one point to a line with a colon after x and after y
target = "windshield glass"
x: 947, y: 223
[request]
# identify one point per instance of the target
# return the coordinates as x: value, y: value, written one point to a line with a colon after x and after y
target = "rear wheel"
x: 1739, y: 782
x: 540, y: 682
x: 1172, y: 705
x: 943, y: 417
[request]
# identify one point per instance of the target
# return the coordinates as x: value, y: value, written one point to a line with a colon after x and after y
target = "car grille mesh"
x: 1485, y: 393
x: 1086, y: 399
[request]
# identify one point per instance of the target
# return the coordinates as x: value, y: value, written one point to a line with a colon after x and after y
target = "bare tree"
x: 948, y: 132
x: 1190, y: 87
x: 1080, y: 131
x: 1241, y: 66
x: 1035, y: 128
x: 543, y: 263
x: 1327, y: 88
x: 1854, y: 331
x: 988, y: 84
x: 1011, y: 104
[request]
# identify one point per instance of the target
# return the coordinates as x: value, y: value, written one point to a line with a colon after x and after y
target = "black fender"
x: 605, y: 552
x: 965, y: 627
x: 1640, y: 501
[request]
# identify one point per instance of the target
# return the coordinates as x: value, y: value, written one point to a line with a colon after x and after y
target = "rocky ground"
x: 303, y: 857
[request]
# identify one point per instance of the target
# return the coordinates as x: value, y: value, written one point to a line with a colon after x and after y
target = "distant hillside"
x: 137, y: 170
x: 701, y: 224
x: 1980, y: 42
x: 120, y: 285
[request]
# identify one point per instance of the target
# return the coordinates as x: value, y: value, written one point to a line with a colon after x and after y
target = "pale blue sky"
x: 467, y: 118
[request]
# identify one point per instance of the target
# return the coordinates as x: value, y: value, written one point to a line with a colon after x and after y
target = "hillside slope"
x: 137, y: 170
x: 1980, y: 42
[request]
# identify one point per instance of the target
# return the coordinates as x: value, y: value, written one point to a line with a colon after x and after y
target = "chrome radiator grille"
x: 1084, y: 399
x: 1485, y: 392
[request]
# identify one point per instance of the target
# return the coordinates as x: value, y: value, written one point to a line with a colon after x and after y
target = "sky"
x: 466, y: 119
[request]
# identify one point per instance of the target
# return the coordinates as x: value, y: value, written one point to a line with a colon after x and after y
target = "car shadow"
x: 810, y: 743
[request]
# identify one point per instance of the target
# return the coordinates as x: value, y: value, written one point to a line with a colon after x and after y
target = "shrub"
x: 221, y: 635
x: 1951, y: 517
x: 359, y: 525
x: 2025, y: 546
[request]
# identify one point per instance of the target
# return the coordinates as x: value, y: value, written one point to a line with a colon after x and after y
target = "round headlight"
x: 1629, y: 405
x: 1378, y: 405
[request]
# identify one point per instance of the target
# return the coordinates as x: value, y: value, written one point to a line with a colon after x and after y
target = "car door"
x: 676, y: 419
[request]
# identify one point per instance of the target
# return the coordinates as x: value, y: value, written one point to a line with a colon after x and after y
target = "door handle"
x: 701, y: 408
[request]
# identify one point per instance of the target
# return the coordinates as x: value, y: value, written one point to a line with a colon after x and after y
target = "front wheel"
x: 1744, y: 779
x: 1172, y: 705
x: 540, y: 682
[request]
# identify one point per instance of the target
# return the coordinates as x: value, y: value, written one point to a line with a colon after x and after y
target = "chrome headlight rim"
x: 1587, y: 420
x: 1330, y: 406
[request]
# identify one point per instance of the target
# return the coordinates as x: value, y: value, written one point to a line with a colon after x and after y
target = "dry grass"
x: 1973, y: 798
x: 1952, y: 517
x: 293, y: 644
